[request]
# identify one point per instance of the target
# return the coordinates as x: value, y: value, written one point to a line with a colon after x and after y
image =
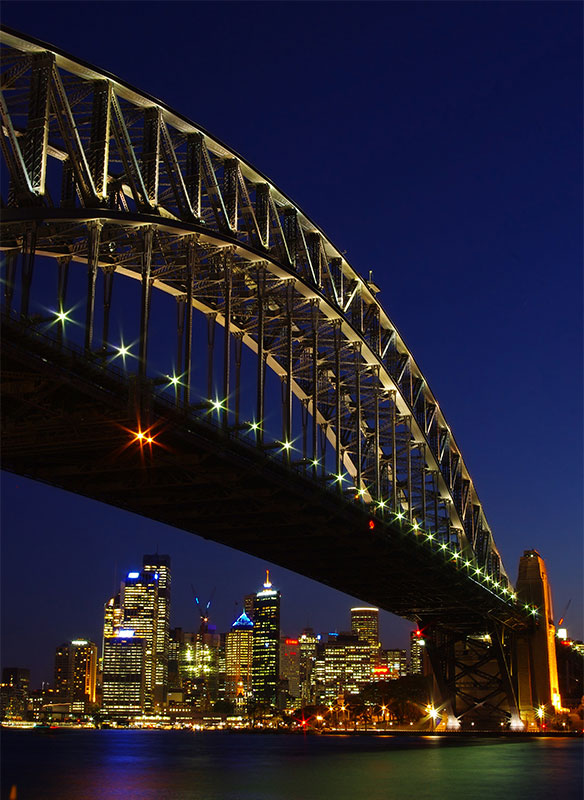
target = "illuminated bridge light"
x: 340, y: 478
x: 381, y: 504
x: 430, y: 536
x: 217, y: 405
x: 123, y: 351
x: 174, y: 380
x: 62, y: 316
x: 467, y: 564
x: 286, y: 445
x: 315, y: 462
x: 416, y: 527
x: 254, y: 426
x: 443, y: 546
x: 399, y: 515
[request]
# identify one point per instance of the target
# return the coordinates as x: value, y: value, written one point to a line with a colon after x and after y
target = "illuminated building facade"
x: 347, y: 665
x: 76, y: 674
x: 14, y: 693
x: 396, y: 662
x: 158, y: 566
x: 289, y: 672
x: 140, y: 613
x: 417, y: 644
x: 201, y: 667
x: 124, y: 675
x: 308, y: 643
x: 365, y: 624
x: 238, y: 661
x: 266, y: 644
x: 112, y: 617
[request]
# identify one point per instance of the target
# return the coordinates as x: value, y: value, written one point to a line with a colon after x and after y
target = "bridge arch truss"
x: 107, y: 183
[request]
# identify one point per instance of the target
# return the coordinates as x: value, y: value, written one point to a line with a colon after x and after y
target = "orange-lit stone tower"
x: 537, y: 672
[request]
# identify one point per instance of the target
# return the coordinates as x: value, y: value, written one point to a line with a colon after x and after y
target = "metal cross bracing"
x: 106, y: 182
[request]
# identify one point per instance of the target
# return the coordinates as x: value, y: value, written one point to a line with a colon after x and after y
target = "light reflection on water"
x: 180, y: 765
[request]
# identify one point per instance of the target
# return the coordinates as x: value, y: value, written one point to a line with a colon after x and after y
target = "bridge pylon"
x: 537, y: 671
x: 490, y: 675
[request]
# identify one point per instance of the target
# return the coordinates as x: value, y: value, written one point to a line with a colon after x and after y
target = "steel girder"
x: 104, y: 175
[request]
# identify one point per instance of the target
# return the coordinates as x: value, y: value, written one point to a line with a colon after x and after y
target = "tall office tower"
x: 176, y: 638
x: 358, y: 664
x: 289, y: 672
x: 365, y: 623
x: 307, y: 643
x: 249, y: 605
x: 84, y: 671
x: 159, y: 565
x: 76, y: 673
x: 124, y: 673
x: 112, y: 617
x: 416, y: 652
x: 238, y: 660
x: 14, y: 693
x: 140, y: 610
x: 62, y: 674
x: 347, y: 664
x: 266, y: 644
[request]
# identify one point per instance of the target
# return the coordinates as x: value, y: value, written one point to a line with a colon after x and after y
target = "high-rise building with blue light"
x: 266, y: 644
x: 140, y: 613
x: 238, y: 661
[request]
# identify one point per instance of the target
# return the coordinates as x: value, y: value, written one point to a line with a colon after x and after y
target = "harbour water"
x: 182, y: 765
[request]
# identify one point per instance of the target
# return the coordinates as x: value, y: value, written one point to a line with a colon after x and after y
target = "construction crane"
x: 565, y: 612
x: 203, y: 612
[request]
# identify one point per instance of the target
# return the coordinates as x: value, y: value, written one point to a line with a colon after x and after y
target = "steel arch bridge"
x: 258, y: 393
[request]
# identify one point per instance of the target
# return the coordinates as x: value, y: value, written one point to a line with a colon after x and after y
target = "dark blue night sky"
x: 439, y: 145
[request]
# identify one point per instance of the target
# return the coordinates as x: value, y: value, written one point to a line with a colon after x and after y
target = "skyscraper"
x: 416, y: 652
x: 140, y: 610
x: 308, y: 643
x: 112, y: 618
x: 14, y: 693
x: 158, y: 566
x: 75, y: 673
x: 266, y: 644
x: 289, y: 672
x: 249, y: 605
x: 124, y: 674
x: 365, y: 623
x: 238, y: 660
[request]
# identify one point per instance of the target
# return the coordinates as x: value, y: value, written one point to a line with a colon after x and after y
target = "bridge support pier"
x: 472, y: 673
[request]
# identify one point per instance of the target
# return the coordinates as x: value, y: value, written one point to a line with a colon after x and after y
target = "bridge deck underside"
x: 68, y: 422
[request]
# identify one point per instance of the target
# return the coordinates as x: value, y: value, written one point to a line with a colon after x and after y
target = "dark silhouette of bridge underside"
x: 68, y: 423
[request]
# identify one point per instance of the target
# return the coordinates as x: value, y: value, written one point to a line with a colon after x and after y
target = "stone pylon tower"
x: 537, y: 672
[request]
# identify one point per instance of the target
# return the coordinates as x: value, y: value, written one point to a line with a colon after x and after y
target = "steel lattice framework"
x: 102, y: 175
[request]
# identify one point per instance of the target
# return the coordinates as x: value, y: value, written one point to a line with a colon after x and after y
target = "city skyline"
x: 498, y: 278
x: 134, y: 621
